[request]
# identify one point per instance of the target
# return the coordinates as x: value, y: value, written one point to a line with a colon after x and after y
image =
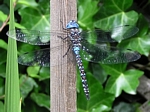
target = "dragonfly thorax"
x: 74, y: 33
x: 75, y: 37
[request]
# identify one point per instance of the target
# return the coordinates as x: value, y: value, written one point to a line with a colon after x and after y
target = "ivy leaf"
x: 37, y: 19
x: 2, y: 73
x: 114, y: 6
x: 3, y: 44
x: 3, y: 56
x: 37, y: 72
x: 44, y: 73
x: 100, y: 101
x: 3, y: 16
x: 86, y: 10
x: 141, y: 40
x: 142, y: 25
x: 44, y: 6
x: 113, y: 14
x: 23, y: 48
x: 121, y: 79
x: 142, y: 44
x: 118, y: 19
x: 41, y: 99
x: 98, y: 72
x: 33, y: 71
x: 29, y: 3
x: 26, y: 85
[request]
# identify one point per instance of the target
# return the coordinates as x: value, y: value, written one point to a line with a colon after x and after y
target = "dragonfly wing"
x: 33, y: 37
x: 114, y: 35
x: 107, y: 55
x: 35, y: 58
x: 42, y: 57
x: 123, y: 32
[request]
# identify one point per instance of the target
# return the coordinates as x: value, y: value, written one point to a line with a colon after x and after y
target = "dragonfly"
x: 91, y: 46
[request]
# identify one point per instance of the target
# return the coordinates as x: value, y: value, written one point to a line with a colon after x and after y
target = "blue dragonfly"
x: 88, y: 45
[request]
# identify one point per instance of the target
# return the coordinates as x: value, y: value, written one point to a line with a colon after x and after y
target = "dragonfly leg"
x: 62, y: 37
x: 62, y: 25
x: 67, y: 51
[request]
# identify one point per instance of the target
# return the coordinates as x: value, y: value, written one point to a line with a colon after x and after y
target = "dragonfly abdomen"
x: 82, y: 73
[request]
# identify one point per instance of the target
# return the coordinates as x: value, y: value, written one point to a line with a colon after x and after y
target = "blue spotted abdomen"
x: 76, y: 50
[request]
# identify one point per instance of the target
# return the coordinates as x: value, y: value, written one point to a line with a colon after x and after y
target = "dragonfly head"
x: 72, y: 24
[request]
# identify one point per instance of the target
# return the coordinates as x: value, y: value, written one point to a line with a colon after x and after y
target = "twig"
x: 7, y: 19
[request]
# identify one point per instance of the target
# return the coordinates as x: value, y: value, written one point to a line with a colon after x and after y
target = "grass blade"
x: 12, y: 93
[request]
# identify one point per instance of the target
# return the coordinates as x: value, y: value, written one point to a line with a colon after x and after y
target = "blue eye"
x: 72, y: 24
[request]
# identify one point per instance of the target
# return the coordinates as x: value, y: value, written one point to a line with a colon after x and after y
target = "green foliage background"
x: 104, y: 88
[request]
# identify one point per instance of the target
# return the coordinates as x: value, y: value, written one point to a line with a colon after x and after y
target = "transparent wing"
x: 35, y: 58
x: 107, y: 54
x: 42, y: 57
x: 36, y: 37
x: 115, y: 35
x: 33, y: 37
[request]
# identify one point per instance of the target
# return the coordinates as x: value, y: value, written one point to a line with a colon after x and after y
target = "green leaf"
x: 3, y: 16
x: 113, y: 13
x: 3, y: 44
x: 44, y: 73
x: 3, y: 70
x: 33, y: 71
x: 121, y: 79
x: 3, y: 56
x: 86, y: 10
x: 26, y: 85
x: 124, y: 107
x: 44, y: 6
x: 117, y: 19
x: 143, y: 26
x: 142, y: 44
x: 2, y: 87
x: 114, y: 69
x: 1, y: 107
x: 100, y: 101
x: 29, y: 3
x: 23, y: 48
x: 41, y: 99
x: 99, y: 73
x: 36, y: 72
x: 12, y: 93
x: 141, y: 40
x: 114, y: 6
x: 37, y: 19
x: 19, y: 26
x: 4, y: 8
